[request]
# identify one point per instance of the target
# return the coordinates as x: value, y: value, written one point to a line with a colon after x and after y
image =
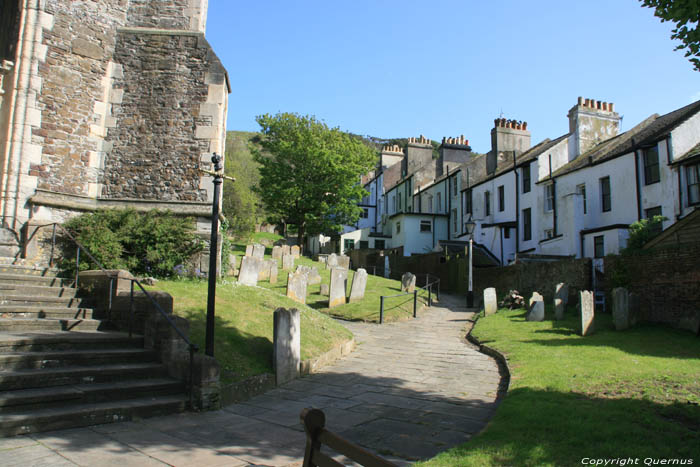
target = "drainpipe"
x: 636, y: 182
x: 554, y: 198
x: 449, y: 204
x: 500, y: 231
x: 517, y: 209
x: 669, y: 152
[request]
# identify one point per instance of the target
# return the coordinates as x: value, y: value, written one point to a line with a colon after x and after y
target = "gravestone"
x: 266, y: 268
x: 296, y: 287
x: 295, y: 251
x: 536, y: 311
x: 250, y: 268
x: 621, y: 308
x: 490, y: 301
x: 325, y: 290
x: 277, y: 252
x: 287, y: 262
x: 339, y: 278
x: 408, y: 282
x: 311, y: 273
x: 231, y: 265
x: 332, y: 261
x: 285, y: 250
x: 343, y: 261
x: 273, y: 273
x: 559, y: 309
x: 249, y: 250
x: 286, y: 354
x: 322, y: 258
x: 586, y: 307
x: 258, y: 251
x: 561, y: 290
x: 359, y: 283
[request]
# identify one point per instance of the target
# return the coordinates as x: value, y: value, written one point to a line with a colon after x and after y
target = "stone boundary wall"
x: 666, y: 281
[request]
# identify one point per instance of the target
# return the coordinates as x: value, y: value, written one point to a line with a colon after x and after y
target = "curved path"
x: 409, y: 391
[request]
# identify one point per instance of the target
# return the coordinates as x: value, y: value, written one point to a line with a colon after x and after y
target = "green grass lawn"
x: 606, y: 396
x: 395, y: 308
x: 243, y: 336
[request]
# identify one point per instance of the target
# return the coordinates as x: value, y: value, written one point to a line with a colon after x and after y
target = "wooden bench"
x: 314, y: 421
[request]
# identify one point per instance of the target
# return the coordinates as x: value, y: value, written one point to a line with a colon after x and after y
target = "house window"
x: 651, y: 165
x: 693, y: 173
x: 501, y: 198
x: 487, y: 203
x: 506, y: 232
x: 527, y: 224
x: 599, y: 246
x: 398, y: 227
x: 581, y: 190
x: 454, y: 186
x: 549, y: 197
x: 439, y: 202
x: 400, y: 206
x: 454, y: 220
x: 393, y: 201
x: 379, y: 244
x: 426, y: 226
x: 605, y: 201
x: 526, y: 178
x: 364, y: 244
x: 348, y: 244
x: 468, y: 202
x: 365, y: 213
x: 430, y: 203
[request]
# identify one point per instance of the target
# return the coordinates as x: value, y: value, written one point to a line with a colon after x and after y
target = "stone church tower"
x: 105, y: 103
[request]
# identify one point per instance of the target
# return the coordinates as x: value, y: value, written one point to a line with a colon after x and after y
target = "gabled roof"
x: 535, y: 151
x: 690, y: 154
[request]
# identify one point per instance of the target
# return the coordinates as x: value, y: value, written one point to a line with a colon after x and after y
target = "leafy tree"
x: 686, y: 15
x: 311, y: 178
x: 642, y: 231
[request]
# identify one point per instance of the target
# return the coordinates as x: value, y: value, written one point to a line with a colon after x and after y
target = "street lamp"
x: 470, y: 224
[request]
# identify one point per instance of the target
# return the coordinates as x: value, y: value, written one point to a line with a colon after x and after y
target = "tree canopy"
x: 686, y: 15
x: 311, y: 177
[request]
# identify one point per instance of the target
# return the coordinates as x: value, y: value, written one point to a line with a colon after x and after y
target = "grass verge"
x: 611, y: 395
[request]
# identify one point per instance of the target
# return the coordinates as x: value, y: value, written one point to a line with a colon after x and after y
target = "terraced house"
x: 573, y: 195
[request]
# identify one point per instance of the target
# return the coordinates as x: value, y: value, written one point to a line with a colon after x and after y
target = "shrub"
x: 642, y: 231
x: 151, y: 243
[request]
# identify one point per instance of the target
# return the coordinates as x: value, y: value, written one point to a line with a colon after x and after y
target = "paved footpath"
x: 409, y: 391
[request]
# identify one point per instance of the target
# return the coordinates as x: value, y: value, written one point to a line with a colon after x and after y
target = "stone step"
x: 19, y: 279
x: 77, y: 414
x: 32, y: 399
x: 22, y: 325
x: 20, y: 300
x: 26, y: 270
x: 42, y: 341
x: 46, y: 377
x: 27, y: 311
x: 37, y: 290
x: 62, y: 358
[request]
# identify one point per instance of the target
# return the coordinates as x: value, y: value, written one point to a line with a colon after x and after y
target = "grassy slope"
x: 609, y: 395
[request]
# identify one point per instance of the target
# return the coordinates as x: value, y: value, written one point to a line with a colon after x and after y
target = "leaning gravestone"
x: 408, y: 282
x: 277, y: 252
x: 332, y: 261
x: 343, y: 261
x: 249, y: 250
x: 296, y: 287
x: 621, y: 308
x: 273, y: 273
x: 536, y: 312
x: 325, y: 290
x: 559, y: 309
x: 586, y: 306
x: 258, y: 251
x: 295, y: 251
x: 490, y: 301
x: 287, y: 262
x: 286, y: 354
x: 359, y: 283
x: 250, y: 268
x: 561, y: 291
x: 338, y: 287
x: 266, y: 268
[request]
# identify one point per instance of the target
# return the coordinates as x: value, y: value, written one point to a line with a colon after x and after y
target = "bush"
x: 643, y: 231
x: 151, y: 243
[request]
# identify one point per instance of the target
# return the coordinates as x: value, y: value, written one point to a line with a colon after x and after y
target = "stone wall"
x: 666, y: 281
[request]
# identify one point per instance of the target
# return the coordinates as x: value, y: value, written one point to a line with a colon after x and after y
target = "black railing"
x: 428, y: 287
x: 191, y: 347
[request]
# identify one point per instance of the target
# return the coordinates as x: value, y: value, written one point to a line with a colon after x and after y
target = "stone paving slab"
x: 410, y: 390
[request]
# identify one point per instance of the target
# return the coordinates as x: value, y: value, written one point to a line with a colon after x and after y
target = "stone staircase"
x: 58, y: 370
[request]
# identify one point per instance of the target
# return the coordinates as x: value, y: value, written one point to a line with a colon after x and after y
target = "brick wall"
x: 667, y: 282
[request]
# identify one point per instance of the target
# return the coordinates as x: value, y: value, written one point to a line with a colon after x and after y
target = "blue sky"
x: 444, y: 68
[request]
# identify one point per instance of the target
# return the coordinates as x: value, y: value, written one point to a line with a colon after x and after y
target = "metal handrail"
x: 427, y: 286
x: 191, y: 347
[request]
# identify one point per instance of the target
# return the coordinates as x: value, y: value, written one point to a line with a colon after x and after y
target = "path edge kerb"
x: 496, y: 355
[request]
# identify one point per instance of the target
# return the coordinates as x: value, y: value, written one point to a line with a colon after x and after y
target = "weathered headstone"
x: 287, y: 262
x: 311, y: 273
x: 249, y: 250
x: 343, y: 261
x: 322, y: 258
x: 338, y: 287
x: 586, y: 307
x: 408, y: 282
x: 277, y: 252
x: 359, y: 283
x: 231, y: 264
x: 285, y: 250
x: 561, y: 290
x: 332, y: 261
x: 621, y: 308
x: 265, y: 268
x: 325, y: 290
x: 273, y: 273
x: 258, y: 251
x: 295, y: 251
x: 536, y: 310
x: 286, y: 344
x: 490, y: 301
x: 559, y: 309
x: 296, y: 287
x: 250, y: 268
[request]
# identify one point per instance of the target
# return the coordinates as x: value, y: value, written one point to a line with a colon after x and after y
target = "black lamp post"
x: 470, y: 224
x: 218, y: 175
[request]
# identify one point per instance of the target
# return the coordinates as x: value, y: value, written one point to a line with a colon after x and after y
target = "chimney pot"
x: 611, y: 107
x: 524, y: 125
x: 587, y: 103
x: 580, y: 100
